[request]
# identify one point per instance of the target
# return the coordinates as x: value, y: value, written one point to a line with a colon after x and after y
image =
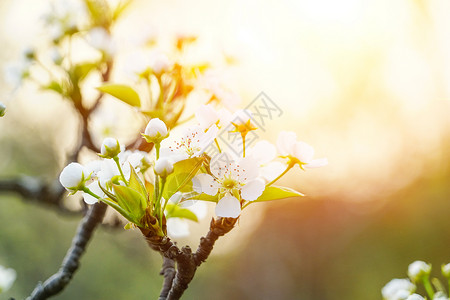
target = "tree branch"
x: 57, y: 282
x: 168, y: 271
x: 186, y: 261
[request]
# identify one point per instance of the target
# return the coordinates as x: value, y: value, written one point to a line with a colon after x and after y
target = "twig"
x: 168, y: 271
x: 186, y: 261
x: 57, y: 282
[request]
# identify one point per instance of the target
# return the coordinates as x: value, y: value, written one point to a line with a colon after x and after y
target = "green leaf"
x: 80, y: 71
x: 205, y: 197
x: 276, y: 193
x: 175, y: 211
x: 181, y: 178
x: 131, y: 201
x: 122, y: 92
x: 100, y: 13
x: 136, y: 183
x: 119, y: 209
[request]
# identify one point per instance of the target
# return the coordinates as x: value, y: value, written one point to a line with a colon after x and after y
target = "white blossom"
x: 398, y: 289
x: 264, y: 153
x: 415, y: 297
x: 156, y: 129
x: 72, y: 176
x: 7, y: 278
x: 418, y: 269
x: 208, y: 116
x: 163, y: 167
x: 297, y: 151
x: 440, y: 296
x: 101, y: 40
x: 110, y: 147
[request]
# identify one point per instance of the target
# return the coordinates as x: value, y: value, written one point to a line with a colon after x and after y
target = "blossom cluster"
x: 418, y: 273
x: 184, y: 172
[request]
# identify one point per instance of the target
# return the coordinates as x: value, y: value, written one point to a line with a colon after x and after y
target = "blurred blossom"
x: 397, y: 289
x: 101, y: 40
x: 7, y: 278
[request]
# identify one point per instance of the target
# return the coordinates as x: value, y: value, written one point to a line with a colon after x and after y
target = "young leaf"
x: 120, y: 210
x: 136, y: 183
x: 276, y: 193
x: 205, y: 197
x: 175, y: 211
x: 181, y: 178
x: 130, y: 200
x: 122, y: 92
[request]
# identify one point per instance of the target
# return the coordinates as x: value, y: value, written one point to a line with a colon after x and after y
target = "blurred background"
x: 366, y: 82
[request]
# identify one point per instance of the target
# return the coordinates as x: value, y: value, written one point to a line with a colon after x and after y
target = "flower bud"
x: 397, y: 289
x: 73, y: 177
x: 2, y: 109
x: 446, y: 270
x: 155, y: 131
x: 7, y: 277
x: 110, y: 148
x: 163, y: 167
x: 415, y: 297
x: 418, y: 270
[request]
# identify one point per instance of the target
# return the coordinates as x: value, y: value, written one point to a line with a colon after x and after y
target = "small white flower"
x: 418, y: 269
x: 95, y: 188
x: 415, y: 297
x: 264, y: 152
x: 398, y: 289
x: 207, y: 116
x: 163, y: 167
x: 110, y: 147
x: 446, y: 270
x: 7, y: 278
x: 297, y: 151
x: 193, y: 143
x: 2, y: 109
x: 101, y: 40
x: 156, y: 129
x: 229, y: 177
x: 72, y: 176
x: 440, y: 296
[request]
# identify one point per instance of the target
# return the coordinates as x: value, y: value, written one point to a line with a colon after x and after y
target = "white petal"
x: 206, y: 115
x: 242, y: 116
x: 285, y: 142
x: 173, y: 155
x: 221, y: 165
x: 262, y: 152
x: 270, y: 171
x: 7, y: 278
x: 72, y: 175
x: 176, y: 197
x: 303, y: 152
x: 248, y: 169
x: 253, y: 189
x: 96, y: 190
x: 177, y: 227
x: 206, y: 139
x: 205, y: 183
x: 228, y: 206
x: 317, y: 163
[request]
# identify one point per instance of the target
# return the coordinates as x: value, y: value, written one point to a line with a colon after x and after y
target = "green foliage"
x: 122, y: 92
x: 175, y: 211
x: 181, y: 178
x: 100, y: 13
x: 277, y: 193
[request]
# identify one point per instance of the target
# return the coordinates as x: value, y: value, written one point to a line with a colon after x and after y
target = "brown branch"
x: 186, y: 261
x: 57, y: 282
x: 168, y: 271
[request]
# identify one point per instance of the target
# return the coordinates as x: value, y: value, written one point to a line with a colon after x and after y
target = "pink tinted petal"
x: 317, y: 163
x: 253, y: 189
x: 204, y: 183
x: 228, y: 207
x: 285, y: 142
x: 303, y: 152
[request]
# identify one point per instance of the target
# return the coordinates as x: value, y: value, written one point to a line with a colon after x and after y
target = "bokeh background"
x: 367, y: 82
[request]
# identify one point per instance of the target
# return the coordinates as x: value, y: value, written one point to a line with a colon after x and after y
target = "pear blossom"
x: 193, y: 143
x: 127, y: 160
x: 159, y: 62
x: 207, y: 116
x: 7, y: 278
x: 101, y: 40
x: 398, y: 289
x: 156, y: 130
x: 418, y: 269
x: 73, y: 176
x: 228, y: 178
x: 95, y: 188
x: 163, y: 167
x: 2, y: 109
x: 446, y: 270
x: 264, y: 153
x: 415, y: 297
x: 110, y: 147
x: 440, y: 296
x: 297, y: 151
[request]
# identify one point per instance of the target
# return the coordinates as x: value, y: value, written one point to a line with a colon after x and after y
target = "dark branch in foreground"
x: 57, y: 282
x: 186, y: 261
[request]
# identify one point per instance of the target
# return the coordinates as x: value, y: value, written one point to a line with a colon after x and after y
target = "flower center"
x: 229, y: 183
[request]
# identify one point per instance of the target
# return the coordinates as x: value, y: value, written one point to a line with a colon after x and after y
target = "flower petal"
x: 262, y: 152
x: 177, y: 227
x: 253, y: 189
x: 206, y: 115
x: 205, y: 183
x: 303, y: 152
x: 285, y: 142
x: 96, y: 190
x: 317, y: 163
x: 270, y: 171
x: 248, y: 169
x: 228, y: 207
